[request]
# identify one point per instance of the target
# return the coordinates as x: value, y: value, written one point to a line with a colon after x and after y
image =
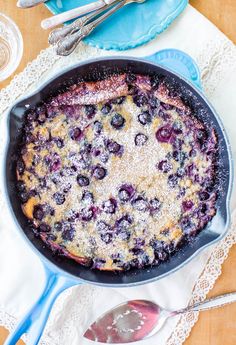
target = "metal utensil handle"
x: 71, y: 14
x: 57, y: 34
x: 29, y: 3
x: 211, y: 303
x: 66, y: 46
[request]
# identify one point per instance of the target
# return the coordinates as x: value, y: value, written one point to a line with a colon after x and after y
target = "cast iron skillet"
x: 62, y: 272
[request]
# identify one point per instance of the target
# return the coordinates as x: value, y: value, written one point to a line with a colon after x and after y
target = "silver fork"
x: 68, y: 44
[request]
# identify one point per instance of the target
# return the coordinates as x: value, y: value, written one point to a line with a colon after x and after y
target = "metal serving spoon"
x: 135, y: 320
x: 68, y: 44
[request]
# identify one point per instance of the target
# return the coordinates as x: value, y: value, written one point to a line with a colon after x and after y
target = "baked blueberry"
x: 20, y: 185
x: 90, y: 110
x: 38, y: 212
x: 58, y: 226
x: 164, y: 133
x: 125, y: 192
x: 68, y: 233
x: 82, y: 180
x: 173, y: 180
x: 20, y: 166
x: 97, y: 126
x: 44, y: 227
x: 117, y: 121
x: 140, y: 100
x: 140, y: 204
x: 109, y: 206
x: 140, y: 139
x: 145, y: 118
x: 165, y: 166
x: 113, y: 147
x: 106, y: 108
x: 75, y: 133
x: 59, y: 198
x: 99, y: 172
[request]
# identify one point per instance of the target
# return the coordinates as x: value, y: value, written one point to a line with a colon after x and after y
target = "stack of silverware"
x: 88, y: 17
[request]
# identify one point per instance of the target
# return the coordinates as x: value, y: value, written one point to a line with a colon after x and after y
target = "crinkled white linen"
x: 21, y: 271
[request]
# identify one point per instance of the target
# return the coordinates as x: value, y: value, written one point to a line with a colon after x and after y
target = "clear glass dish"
x: 11, y: 47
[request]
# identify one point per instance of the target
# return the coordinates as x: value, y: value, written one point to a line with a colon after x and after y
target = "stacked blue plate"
x: 133, y: 25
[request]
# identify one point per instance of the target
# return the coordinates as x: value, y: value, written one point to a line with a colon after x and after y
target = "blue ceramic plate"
x: 133, y: 25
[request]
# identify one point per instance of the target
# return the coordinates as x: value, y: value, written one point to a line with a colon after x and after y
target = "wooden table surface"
x: 215, y: 327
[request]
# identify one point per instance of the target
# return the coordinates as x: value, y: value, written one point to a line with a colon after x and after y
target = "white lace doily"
x: 216, y: 57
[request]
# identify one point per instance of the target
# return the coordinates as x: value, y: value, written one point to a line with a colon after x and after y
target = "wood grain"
x: 214, y: 327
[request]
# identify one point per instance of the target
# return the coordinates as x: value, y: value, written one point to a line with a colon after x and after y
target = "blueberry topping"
x: 177, y: 127
x: 83, y: 181
x: 75, y: 133
x: 58, y: 226
x: 140, y: 139
x: 179, y: 156
x: 117, y: 121
x: 118, y: 100
x: 59, y: 198
x: 140, y: 100
x: 87, y: 214
x: 90, y: 110
x: 99, y: 172
x: 44, y: 227
x: 164, y: 134
x: 59, y: 142
x: 140, y: 204
x: 113, y: 147
x: 180, y: 172
x: 106, y: 108
x: 68, y: 233
x: 97, y: 126
x: 123, y: 227
x: 173, y: 181
x: 125, y: 193
x: 107, y: 238
x: 154, y: 102
x: 20, y: 166
x: 20, y: 186
x: 24, y: 197
x: 87, y: 197
x: 109, y: 206
x: 187, y: 205
x: 164, y: 166
x: 203, y: 196
x: 139, y: 242
x: 38, y: 212
x: 67, y: 187
x: 103, y: 227
x: 155, y: 205
x: 145, y: 118
x: 187, y: 226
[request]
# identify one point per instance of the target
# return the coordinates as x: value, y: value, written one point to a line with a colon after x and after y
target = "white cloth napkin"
x: 21, y: 272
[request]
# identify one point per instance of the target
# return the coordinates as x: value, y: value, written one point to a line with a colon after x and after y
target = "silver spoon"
x: 68, y: 44
x: 135, y: 320
x: 57, y: 34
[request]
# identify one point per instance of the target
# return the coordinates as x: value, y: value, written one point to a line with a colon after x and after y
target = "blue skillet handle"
x: 178, y: 62
x: 36, y: 318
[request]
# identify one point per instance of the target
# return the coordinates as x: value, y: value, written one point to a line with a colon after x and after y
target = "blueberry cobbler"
x: 117, y: 173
